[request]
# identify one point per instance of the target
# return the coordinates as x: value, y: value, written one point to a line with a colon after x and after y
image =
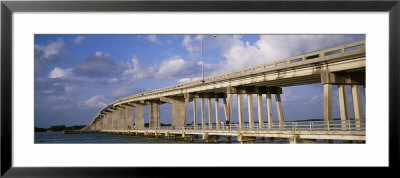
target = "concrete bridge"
x: 342, y: 66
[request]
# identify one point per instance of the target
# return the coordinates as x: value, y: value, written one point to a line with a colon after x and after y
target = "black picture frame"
x: 8, y: 7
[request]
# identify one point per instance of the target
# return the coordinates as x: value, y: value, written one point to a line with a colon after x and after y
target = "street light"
x: 202, y: 59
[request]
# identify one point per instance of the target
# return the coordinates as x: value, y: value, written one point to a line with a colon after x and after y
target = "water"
x: 60, y: 137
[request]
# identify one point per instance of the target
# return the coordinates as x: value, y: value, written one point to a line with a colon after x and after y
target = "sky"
x: 77, y: 75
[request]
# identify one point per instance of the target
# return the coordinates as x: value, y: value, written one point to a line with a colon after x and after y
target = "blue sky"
x: 77, y: 75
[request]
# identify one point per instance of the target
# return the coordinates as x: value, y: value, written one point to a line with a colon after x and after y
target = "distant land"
x: 59, y: 128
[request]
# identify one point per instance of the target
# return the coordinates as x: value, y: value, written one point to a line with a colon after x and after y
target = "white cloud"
x: 121, y: 92
x: 71, y: 88
x: 187, y: 44
x: 133, y: 70
x: 100, y: 53
x: 113, y: 80
x: 79, y: 39
x: 50, y: 50
x: 153, y: 39
x: 97, y: 101
x: 58, y: 72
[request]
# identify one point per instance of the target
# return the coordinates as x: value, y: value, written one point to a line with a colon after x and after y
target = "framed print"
x: 162, y: 84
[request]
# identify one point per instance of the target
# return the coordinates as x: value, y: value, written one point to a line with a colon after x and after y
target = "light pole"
x: 202, y: 59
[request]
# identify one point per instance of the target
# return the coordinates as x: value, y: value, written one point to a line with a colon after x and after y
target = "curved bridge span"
x: 342, y: 66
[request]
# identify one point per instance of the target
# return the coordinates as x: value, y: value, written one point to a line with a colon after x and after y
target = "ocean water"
x: 93, y: 138
x: 101, y: 138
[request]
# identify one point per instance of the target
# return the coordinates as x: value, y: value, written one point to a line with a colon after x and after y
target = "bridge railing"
x: 336, y: 125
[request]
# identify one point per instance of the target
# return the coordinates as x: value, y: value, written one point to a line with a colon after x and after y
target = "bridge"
x: 342, y: 66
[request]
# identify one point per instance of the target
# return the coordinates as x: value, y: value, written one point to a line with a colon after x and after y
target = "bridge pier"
x: 217, y: 120
x: 344, y: 105
x: 129, y: 117
x: 209, y: 113
x: 121, y: 118
x: 154, y: 120
x: 250, y: 110
x: 195, y: 112
x: 269, y: 111
x: 260, y: 111
x: 139, y: 116
x: 178, y: 110
x: 357, y: 105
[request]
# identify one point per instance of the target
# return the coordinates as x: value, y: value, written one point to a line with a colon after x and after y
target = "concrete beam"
x: 344, y: 78
x: 253, y: 90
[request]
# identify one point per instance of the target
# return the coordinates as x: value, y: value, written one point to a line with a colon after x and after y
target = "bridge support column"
x: 260, y: 111
x: 121, y: 118
x: 328, y: 103
x: 230, y: 107
x: 280, y: 110
x: 129, y: 118
x: 203, y: 114
x: 344, y: 105
x: 240, y: 110
x: 357, y: 105
x: 154, y: 121
x: 209, y: 113
x: 217, y: 112
x: 187, y: 100
x: 250, y: 110
x: 269, y: 111
x: 195, y: 112
x: 139, y: 116
x: 178, y: 110
x: 226, y: 109
x: 115, y: 119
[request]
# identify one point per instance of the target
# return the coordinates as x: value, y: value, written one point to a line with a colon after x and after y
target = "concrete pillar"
x: 178, y: 110
x: 269, y: 111
x: 217, y: 112
x: 250, y: 110
x: 195, y: 112
x: 121, y: 120
x: 240, y: 111
x: 260, y: 111
x: 226, y: 109
x: 154, y: 121
x: 203, y: 114
x: 357, y: 105
x: 230, y: 107
x: 344, y: 105
x: 139, y: 116
x: 280, y: 110
x: 129, y: 117
x: 115, y: 120
x: 209, y: 114
x: 187, y: 100
x: 328, y: 103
